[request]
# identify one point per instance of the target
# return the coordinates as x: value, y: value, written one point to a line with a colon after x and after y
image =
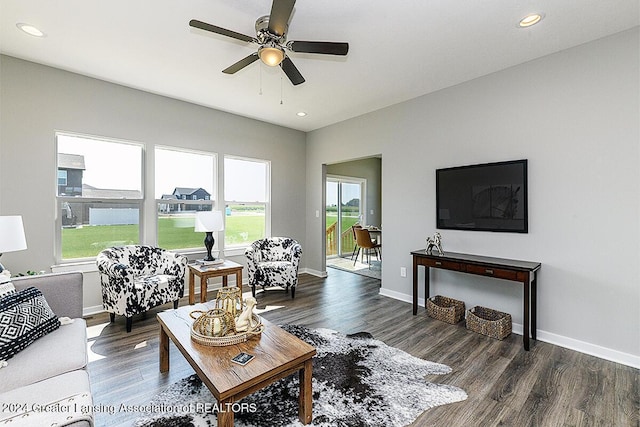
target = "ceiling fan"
x: 271, y: 38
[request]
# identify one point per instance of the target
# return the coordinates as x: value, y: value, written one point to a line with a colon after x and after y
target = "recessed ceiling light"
x: 301, y: 114
x: 30, y: 29
x: 530, y: 19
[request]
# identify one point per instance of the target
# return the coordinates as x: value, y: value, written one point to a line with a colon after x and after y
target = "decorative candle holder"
x: 229, y: 299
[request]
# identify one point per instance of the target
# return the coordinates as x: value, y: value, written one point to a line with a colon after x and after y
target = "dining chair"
x: 355, y: 243
x: 364, y: 242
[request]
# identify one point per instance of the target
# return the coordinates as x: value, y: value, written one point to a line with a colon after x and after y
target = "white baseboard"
x: 90, y: 311
x: 590, y: 349
x: 549, y: 337
x: 312, y: 272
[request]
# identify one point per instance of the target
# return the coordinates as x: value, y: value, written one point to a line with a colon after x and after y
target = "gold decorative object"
x: 229, y: 299
x: 217, y: 327
x: 213, y: 323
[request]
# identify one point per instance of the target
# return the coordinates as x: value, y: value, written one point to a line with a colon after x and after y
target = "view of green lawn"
x: 346, y: 242
x: 347, y: 221
x: 174, y: 232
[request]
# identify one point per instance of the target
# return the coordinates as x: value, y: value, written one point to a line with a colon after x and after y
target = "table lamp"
x: 11, y: 235
x: 209, y: 221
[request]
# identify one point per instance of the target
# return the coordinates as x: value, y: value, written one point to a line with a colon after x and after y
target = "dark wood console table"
x: 509, y: 269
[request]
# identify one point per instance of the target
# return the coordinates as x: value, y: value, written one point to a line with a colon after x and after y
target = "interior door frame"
x: 363, y: 201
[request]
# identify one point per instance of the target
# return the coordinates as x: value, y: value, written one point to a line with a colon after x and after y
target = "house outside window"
x: 188, y: 188
x: 100, y: 201
x: 247, y: 200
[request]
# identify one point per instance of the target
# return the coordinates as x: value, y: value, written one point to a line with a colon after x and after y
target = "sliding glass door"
x: 344, y: 208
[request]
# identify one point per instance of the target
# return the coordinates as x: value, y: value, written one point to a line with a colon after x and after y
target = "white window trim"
x: 212, y: 200
x: 237, y: 250
x: 59, y: 199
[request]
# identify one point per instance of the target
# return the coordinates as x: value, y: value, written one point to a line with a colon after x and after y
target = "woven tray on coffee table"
x: 234, y: 338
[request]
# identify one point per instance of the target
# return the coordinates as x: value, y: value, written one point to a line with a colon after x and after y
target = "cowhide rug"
x: 357, y: 381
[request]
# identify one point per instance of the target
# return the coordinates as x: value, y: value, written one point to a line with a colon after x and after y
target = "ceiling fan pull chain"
x: 260, y: 79
x: 281, y: 89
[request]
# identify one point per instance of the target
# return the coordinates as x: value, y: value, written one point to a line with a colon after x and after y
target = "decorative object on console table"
x: 434, y: 242
x: 492, y: 323
x: 445, y: 309
x: 209, y: 221
x: 11, y: 239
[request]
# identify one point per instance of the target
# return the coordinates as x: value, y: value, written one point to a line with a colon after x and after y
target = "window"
x: 184, y: 185
x: 246, y: 192
x: 62, y: 177
x: 99, y: 194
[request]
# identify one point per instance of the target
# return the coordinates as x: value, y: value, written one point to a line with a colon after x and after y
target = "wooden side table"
x: 205, y: 272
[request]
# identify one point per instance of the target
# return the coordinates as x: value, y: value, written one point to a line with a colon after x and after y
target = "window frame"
x: 185, y: 200
x: 232, y: 250
x: 59, y: 200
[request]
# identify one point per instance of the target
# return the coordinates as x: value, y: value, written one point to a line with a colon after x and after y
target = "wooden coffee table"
x: 277, y: 354
x: 223, y: 270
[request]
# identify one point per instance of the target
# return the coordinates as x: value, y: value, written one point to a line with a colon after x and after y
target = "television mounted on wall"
x: 483, y: 197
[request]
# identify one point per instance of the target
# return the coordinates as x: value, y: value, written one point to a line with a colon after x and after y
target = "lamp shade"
x: 12, y: 234
x: 209, y: 221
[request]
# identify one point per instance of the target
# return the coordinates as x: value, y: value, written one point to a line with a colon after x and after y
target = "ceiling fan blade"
x: 329, y: 48
x: 279, y: 17
x: 241, y: 64
x: 291, y: 71
x: 219, y: 30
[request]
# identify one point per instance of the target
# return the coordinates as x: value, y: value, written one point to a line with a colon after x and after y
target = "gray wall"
x: 371, y: 170
x: 37, y: 100
x: 575, y: 116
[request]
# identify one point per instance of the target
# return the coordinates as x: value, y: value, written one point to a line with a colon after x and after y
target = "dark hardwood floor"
x: 547, y: 386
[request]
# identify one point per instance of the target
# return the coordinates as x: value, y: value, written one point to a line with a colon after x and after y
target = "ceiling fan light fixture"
x: 530, y: 19
x: 271, y: 55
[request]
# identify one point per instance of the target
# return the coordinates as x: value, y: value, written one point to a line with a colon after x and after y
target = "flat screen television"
x: 485, y: 197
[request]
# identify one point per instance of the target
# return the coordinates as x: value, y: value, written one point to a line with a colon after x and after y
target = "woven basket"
x: 235, y: 338
x: 492, y: 323
x: 446, y: 309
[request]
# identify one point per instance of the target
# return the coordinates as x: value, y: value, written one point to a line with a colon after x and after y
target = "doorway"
x: 345, y: 199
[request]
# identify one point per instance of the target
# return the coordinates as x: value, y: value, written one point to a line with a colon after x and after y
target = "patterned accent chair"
x: 136, y: 278
x: 274, y: 262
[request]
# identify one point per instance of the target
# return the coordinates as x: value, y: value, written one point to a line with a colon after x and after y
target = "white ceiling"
x: 398, y: 49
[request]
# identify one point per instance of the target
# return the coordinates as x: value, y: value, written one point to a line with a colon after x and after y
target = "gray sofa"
x: 52, y: 370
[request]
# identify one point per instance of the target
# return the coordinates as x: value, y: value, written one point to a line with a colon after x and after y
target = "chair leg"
x: 112, y: 317
x: 355, y: 247
x: 356, y: 260
x: 293, y: 292
x: 253, y: 290
x: 175, y: 304
x: 129, y: 322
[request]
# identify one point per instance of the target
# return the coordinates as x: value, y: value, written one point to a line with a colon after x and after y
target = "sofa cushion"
x: 56, y: 389
x: 63, y: 350
x: 24, y: 317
